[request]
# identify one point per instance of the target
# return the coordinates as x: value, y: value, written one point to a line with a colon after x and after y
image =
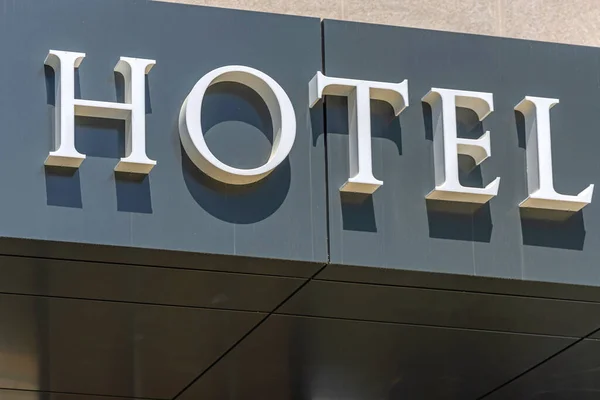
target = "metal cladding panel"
x: 295, y: 357
x: 396, y: 227
x: 175, y: 207
x: 116, y: 349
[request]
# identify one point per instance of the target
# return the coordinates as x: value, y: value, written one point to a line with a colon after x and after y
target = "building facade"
x: 305, y: 200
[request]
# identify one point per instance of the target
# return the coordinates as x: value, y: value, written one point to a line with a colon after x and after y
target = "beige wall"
x: 565, y: 21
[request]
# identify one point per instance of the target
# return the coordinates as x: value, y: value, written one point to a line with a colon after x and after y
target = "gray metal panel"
x: 395, y: 228
x: 572, y: 374
x: 176, y: 208
x: 34, y: 395
x: 469, y: 283
x: 447, y: 308
x: 301, y: 358
x: 154, y: 257
x: 139, y: 284
x: 108, y: 348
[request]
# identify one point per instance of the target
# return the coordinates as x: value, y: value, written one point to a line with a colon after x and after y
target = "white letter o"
x: 282, y: 116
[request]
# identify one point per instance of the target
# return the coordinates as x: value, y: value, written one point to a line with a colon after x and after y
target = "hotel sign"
x: 447, y: 146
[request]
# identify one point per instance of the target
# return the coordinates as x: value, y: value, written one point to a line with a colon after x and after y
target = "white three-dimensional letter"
x: 447, y: 145
x: 359, y: 95
x: 540, y: 184
x: 132, y: 111
x: 282, y: 115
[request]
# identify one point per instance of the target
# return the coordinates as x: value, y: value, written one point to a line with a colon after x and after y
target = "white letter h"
x: 132, y: 111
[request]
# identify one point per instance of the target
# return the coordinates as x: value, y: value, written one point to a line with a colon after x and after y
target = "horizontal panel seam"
x: 139, y: 303
x: 425, y: 325
x: 466, y: 291
x: 103, y: 396
x: 213, y: 271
